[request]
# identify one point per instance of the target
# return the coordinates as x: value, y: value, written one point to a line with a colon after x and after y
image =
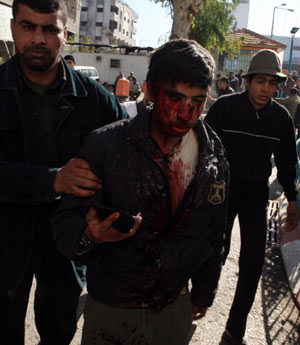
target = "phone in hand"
x: 123, y: 224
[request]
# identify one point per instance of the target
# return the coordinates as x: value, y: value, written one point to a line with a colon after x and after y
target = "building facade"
x: 295, y: 58
x: 252, y: 43
x: 241, y: 14
x: 108, y: 22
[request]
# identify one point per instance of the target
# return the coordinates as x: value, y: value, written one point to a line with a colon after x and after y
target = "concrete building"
x: 241, y: 14
x: 287, y: 40
x: 6, y: 40
x: 108, y: 22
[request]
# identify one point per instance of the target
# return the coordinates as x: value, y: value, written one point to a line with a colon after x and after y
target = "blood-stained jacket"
x: 150, y: 269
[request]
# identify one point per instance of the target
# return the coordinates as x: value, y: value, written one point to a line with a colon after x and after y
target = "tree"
x: 212, y: 27
x: 183, y: 14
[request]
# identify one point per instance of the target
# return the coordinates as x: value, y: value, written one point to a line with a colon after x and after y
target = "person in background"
x: 290, y: 102
x: 233, y: 81
x: 252, y: 128
x: 105, y: 84
x: 289, y: 83
x: 225, y: 88
x: 135, y: 89
x: 70, y: 60
x: 122, y: 88
x: 46, y: 110
x: 131, y: 76
x: 167, y: 168
x: 239, y: 76
x: 217, y: 84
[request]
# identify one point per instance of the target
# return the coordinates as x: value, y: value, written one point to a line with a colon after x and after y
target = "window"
x: 114, y: 9
x: 121, y: 14
x: 83, y: 23
x: 124, y: 19
x: 98, y: 38
x: 128, y: 20
x: 99, y: 24
x: 84, y: 9
x: 99, y: 9
x: 120, y: 27
x: 114, y: 63
x: 126, y: 33
x: 123, y: 31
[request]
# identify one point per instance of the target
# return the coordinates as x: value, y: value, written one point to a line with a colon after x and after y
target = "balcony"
x: 114, y: 17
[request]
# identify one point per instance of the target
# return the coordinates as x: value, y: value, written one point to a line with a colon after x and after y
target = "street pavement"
x: 273, y: 320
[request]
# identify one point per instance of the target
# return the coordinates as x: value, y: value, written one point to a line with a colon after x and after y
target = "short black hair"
x: 294, y: 91
x: 43, y: 6
x: 69, y: 57
x: 251, y: 77
x: 225, y: 80
x: 181, y: 61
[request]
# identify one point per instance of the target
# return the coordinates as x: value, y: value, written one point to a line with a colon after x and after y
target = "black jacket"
x: 150, y: 269
x: 27, y: 196
x: 250, y: 138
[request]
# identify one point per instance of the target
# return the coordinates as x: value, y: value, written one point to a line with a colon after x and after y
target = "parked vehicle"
x: 90, y: 71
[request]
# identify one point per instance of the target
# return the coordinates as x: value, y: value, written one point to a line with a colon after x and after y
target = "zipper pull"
x: 257, y: 116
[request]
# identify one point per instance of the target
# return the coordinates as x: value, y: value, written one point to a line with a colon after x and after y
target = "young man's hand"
x: 292, y: 216
x: 76, y: 178
x: 100, y: 231
x: 198, y: 312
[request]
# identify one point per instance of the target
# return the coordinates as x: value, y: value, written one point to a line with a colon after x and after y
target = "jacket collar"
x: 9, y: 79
x: 265, y: 111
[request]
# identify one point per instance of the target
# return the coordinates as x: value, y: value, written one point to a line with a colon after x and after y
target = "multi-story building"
x: 108, y: 22
x: 241, y: 14
x: 6, y: 40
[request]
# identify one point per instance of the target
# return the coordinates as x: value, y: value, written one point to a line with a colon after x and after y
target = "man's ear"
x: 150, y: 93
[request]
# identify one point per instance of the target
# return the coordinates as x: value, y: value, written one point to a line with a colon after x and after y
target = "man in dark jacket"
x: 167, y: 165
x: 46, y: 110
x: 225, y: 88
x: 252, y: 127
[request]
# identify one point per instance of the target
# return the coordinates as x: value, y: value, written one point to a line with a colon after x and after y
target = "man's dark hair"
x: 294, y: 91
x: 251, y: 77
x: 181, y: 61
x: 225, y: 80
x: 43, y: 6
x: 69, y: 57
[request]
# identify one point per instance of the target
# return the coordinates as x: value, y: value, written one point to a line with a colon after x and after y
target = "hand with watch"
x: 115, y: 226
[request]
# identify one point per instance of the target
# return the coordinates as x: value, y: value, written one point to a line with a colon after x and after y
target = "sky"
x: 154, y: 23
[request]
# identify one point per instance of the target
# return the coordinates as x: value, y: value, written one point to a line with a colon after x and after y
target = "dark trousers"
x: 55, y: 307
x: 253, y: 227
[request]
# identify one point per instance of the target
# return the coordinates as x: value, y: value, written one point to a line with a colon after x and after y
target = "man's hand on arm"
x: 292, y: 216
x: 76, y: 178
x: 198, y: 312
x: 99, y: 231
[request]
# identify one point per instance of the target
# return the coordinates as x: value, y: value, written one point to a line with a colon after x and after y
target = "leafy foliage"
x: 213, y: 24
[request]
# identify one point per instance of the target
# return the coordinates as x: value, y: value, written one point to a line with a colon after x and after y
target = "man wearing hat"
x: 252, y: 127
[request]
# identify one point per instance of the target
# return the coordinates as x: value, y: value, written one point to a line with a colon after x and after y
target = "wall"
x: 241, y: 14
x: 136, y: 63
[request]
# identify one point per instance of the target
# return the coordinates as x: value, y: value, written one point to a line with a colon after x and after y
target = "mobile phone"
x: 123, y: 224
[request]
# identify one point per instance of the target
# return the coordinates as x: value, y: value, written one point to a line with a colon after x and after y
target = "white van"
x: 90, y: 71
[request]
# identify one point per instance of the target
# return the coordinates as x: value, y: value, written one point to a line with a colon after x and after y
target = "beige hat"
x: 266, y: 61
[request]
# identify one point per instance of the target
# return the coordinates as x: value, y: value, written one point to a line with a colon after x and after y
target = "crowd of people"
x: 144, y: 203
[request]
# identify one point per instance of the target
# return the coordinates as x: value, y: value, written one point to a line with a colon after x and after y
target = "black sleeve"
x: 26, y: 184
x: 286, y: 159
x: 215, y: 115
